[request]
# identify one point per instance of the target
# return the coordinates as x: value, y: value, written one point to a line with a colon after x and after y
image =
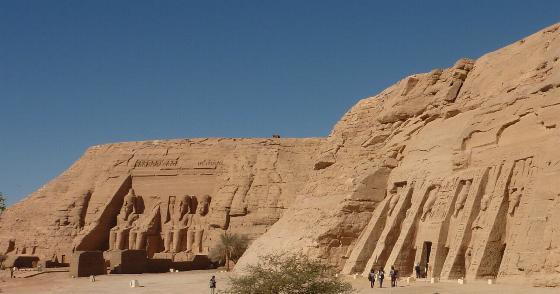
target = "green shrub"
x: 230, y: 248
x: 288, y: 274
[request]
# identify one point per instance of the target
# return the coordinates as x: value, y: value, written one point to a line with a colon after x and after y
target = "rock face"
x: 455, y: 170
x: 170, y: 198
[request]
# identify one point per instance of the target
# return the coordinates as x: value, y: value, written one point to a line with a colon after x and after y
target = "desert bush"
x: 288, y: 274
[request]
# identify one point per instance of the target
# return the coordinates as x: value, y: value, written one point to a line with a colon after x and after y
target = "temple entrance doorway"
x: 425, y: 260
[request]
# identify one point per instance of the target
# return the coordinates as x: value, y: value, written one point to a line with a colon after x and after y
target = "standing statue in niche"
x: 432, y: 196
x: 462, y: 197
x: 174, y: 228
x: 468, y: 257
x: 514, y: 199
x: 146, y: 225
x: 395, y: 195
x: 198, y: 225
x: 125, y: 220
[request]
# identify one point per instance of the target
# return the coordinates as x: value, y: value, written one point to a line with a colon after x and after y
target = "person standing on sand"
x: 380, y: 277
x: 393, y: 275
x: 371, y: 278
x: 11, y: 272
x: 417, y: 270
x: 212, y: 284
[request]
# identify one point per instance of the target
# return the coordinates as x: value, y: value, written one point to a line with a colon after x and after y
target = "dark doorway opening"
x: 425, y: 260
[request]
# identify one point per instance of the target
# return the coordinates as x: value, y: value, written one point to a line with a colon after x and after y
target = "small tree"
x: 289, y: 273
x: 2, y: 202
x: 231, y: 247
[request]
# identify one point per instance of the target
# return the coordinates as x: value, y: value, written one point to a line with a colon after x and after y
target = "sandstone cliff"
x: 454, y: 169
x: 250, y: 182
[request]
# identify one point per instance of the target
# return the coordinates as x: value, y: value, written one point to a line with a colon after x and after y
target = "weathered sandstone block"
x: 87, y: 263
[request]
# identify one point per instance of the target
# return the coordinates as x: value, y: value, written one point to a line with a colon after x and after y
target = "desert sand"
x: 197, y: 282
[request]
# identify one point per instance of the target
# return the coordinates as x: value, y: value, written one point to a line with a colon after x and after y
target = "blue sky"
x: 80, y: 73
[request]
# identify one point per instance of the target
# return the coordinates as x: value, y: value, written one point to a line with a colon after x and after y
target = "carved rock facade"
x: 170, y: 198
x: 456, y: 170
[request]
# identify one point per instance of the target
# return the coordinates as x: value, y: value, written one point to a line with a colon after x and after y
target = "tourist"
x: 212, y: 284
x: 380, y: 277
x: 371, y: 278
x: 11, y: 272
x: 393, y: 275
x: 417, y: 270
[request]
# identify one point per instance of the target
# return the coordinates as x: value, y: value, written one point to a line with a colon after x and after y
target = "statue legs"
x: 140, y: 240
x: 198, y: 241
x: 137, y: 240
x: 132, y: 239
x: 121, y: 236
x: 167, y: 240
x: 112, y: 239
x: 177, y: 238
x: 190, y: 240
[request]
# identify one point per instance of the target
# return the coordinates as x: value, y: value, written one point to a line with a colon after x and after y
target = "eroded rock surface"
x: 170, y: 198
x: 456, y: 170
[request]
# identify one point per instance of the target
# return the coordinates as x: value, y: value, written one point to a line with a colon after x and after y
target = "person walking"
x: 417, y: 271
x: 380, y: 277
x: 371, y: 278
x: 393, y: 275
x: 212, y: 284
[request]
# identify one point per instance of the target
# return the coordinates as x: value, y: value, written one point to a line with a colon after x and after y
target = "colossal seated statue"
x: 125, y: 220
x: 198, y: 225
x: 147, y: 224
x: 175, y: 227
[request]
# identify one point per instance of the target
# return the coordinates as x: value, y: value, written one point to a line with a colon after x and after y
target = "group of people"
x: 379, y: 276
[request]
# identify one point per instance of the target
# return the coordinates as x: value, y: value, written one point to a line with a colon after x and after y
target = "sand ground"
x: 197, y: 282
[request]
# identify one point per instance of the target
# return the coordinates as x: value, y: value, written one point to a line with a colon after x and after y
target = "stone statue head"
x: 203, y: 205
x: 129, y: 203
x: 185, y: 205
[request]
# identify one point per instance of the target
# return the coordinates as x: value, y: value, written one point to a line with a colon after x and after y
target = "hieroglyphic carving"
x: 156, y: 163
x: 209, y: 163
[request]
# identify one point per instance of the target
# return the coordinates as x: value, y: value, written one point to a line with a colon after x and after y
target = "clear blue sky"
x: 79, y: 73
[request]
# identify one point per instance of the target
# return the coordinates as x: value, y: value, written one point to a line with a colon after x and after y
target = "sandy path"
x: 197, y: 282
